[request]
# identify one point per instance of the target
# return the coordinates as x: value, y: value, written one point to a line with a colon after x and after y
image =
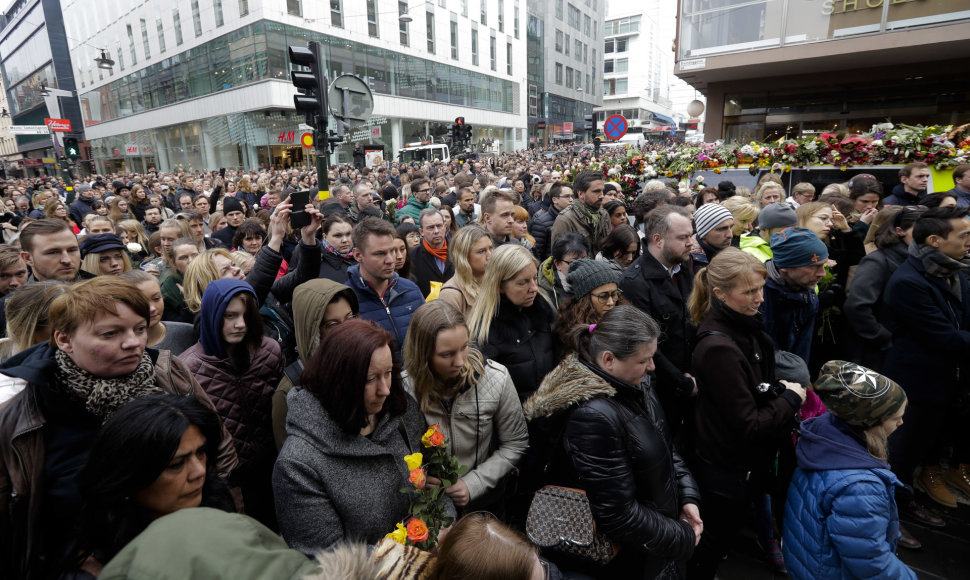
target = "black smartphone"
x: 222, y: 172
x: 299, y: 218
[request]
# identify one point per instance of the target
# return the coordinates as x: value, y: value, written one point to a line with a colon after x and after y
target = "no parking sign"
x: 614, y: 127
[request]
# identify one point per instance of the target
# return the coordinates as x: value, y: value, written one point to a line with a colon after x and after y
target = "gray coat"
x: 330, y: 486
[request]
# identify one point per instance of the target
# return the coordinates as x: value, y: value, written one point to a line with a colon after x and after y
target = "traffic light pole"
x: 321, y: 135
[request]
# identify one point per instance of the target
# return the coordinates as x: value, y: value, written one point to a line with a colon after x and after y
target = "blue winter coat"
x: 840, y: 519
x: 393, y: 310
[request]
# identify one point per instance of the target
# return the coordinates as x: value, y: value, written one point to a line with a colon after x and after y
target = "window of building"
x: 337, y: 13
x: 559, y: 11
x: 578, y: 49
x: 454, y: 36
x: 515, y: 15
x: 131, y: 44
x: 574, y: 17
x: 243, y: 7
x: 429, y: 29
x: 196, y: 18
x: 587, y: 23
x: 474, y: 44
x: 558, y: 73
x: 464, y: 8
x: 217, y: 6
x: 585, y: 53
x: 622, y: 65
x: 608, y: 65
x: 294, y: 7
x: 443, y: 3
x: 161, y: 33
x: 559, y: 41
x: 589, y: 85
x: 630, y: 24
x: 177, y: 24
x: 484, y: 12
x: 144, y: 39
x: 508, y: 58
x: 615, y: 45
x: 372, y: 29
x: 492, y: 53
x: 403, y: 27
x: 121, y: 56
x: 569, y: 77
x: 615, y: 86
x: 565, y: 46
x: 501, y: 15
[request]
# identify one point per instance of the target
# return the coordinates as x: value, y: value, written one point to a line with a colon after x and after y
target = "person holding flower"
x: 340, y: 472
x: 473, y: 400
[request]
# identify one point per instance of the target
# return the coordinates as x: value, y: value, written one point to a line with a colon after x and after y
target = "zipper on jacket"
x: 20, y: 458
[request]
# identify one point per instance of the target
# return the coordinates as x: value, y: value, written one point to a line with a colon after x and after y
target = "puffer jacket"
x: 540, y: 230
x: 22, y: 457
x: 616, y: 446
x: 524, y: 343
x: 310, y: 301
x: 841, y: 519
x: 485, y: 430
x: 393, y: 310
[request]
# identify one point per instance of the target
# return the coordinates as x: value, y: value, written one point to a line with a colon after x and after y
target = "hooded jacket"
x: 485, y: 430
x: 841, y: 519
x: 393, y: 310
x: 331, y: 486
x: 23, y: 429
x: 310, y: 301
x: 610, y: 439
x: 243, y: 397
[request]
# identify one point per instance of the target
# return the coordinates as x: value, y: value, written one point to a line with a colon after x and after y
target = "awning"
x: 664, y: 118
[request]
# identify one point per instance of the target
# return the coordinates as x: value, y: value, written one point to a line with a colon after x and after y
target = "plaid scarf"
x: 589, y: 215
x: 101, y: 396
x: 939, y: 265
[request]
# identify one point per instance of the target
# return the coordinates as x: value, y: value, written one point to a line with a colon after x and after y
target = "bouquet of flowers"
x: 427, y: 513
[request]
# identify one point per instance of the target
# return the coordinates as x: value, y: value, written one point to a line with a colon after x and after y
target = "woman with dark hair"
x: 411, y: 234
x: 939, y: 199
x: 337, y: 254
x: 350, y: 425
x: 617, y: 211
x: 239, y: 369
x: 402, y: 255
x: 448, y: 215
x: 620, y: 248
x: 864, y: 311
x: 249, y: 236
x: 595, y: 293
x: 152, y: 457
x: 597, y: 425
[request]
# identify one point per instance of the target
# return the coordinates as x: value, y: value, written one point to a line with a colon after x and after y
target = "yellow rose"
x: 399, y: 535
x: 414, y: 461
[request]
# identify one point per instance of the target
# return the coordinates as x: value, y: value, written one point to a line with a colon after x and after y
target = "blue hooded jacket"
x: 840, y: 519
x: 215, y: 300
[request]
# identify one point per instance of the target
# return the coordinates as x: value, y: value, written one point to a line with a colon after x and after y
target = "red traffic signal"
x: 460, y: 121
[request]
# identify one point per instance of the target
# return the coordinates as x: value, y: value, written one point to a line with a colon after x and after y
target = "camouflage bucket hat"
x: 858, y: 396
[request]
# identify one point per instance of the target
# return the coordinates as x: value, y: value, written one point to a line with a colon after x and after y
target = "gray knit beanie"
x: 586, y: 275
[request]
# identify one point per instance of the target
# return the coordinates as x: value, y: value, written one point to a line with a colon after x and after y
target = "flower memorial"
x: 427, y: 513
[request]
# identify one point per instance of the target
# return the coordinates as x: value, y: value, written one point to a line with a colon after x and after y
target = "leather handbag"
x: 560, y: 519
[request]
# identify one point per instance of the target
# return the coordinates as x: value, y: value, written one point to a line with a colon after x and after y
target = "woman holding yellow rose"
x: 473, y: 401
x: 339, y: 474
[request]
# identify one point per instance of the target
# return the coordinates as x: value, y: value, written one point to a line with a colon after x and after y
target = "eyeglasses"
x: 606, y: 296
x: 422, y: 190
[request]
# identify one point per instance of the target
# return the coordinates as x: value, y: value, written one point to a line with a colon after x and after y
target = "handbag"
x: 560, y: 519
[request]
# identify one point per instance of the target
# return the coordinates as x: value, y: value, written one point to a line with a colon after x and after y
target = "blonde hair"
x: 742, y: 209
x: 807, y: 210
x: 506, y: 263
x: 92, y: 262
x: 728, y: 267
x: 480, y: 546
x: 764, y: 186
x: 419, y: 346
x: 243, y: 260
x: 838, y: 188
x: 200, y: 272
x: 458, y: 252
x: 28, y: 309
x: 134, y: 227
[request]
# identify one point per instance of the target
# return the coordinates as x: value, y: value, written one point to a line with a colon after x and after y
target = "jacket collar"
x: 652, y: 269
x: 570, y: 384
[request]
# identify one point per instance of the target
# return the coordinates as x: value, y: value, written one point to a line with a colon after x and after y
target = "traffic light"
x: 71, y: 148
x: 588, y: 123
x: 311, y: 99
x: 466, y: 133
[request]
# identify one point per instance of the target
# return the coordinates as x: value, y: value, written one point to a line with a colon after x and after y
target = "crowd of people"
x: 200, y: 378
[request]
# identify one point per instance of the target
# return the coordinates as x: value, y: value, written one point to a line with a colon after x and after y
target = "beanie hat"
x: 797, y: 247
x: 791, y: 367
x: 586, y: 275
x: 858, y: 396
x: 100, y: 243
x: 708, y: 217
x: 231, y: 204
x: 726, y: 189
x: 777, y: 215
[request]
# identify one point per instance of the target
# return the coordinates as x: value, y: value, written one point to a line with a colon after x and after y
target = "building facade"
x: 565, y: 67
x: 205, y: 84
x: 776, y: 68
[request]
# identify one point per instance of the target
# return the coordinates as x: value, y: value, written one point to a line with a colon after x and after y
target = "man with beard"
x: 659, y: 283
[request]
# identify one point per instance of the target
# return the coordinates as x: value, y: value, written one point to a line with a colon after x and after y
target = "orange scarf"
x: 441, y: 254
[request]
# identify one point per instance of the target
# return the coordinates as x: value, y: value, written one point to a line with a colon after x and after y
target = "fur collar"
x: 569, y: 384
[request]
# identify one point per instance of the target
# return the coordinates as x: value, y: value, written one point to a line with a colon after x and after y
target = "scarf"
x: 589, y: 215
x: 939, y: 265
x: 441, y: 254
x: 101, y: 396
x: 349, y: 256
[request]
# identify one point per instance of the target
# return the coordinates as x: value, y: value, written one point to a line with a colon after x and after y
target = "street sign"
x: 307, y: 140
x: 29, y: 130
x: 58, y: 125
x: 614, y: 127
x: 361, y: 100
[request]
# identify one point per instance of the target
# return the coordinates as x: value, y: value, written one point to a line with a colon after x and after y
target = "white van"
x: 424, y: 151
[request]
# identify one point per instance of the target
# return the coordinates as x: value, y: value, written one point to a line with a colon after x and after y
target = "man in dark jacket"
x: 385, y: 297
x: 659, y: 283
x: 429, y: 260
x: 913, y: 179
x: 466, y: 213
x: 929, y: 299
x: 83, y: 205
x: 790, y: 305
x: 585, y: 214
x: 714, y: 225
x: 561, y: 195
x: 233, y: 210
x: 961, y: 182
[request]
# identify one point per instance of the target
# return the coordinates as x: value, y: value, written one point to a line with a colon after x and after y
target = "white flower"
x: 700, y: 179
x: 682, y: 185
x: 747, y: 150
x: 877, y: 143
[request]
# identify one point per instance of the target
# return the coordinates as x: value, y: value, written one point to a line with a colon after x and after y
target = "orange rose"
x: 437, y: 439
x: 418, y: 478
x: 417, y: 530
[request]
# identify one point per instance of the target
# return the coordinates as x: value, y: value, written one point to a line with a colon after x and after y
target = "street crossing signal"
x: 588, y: 123
x: 466, y: 132
x: 311, y: 99
x: 71, y: 148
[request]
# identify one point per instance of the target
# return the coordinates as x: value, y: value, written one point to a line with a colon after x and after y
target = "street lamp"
x: 44, y: 91
x: 405, y: 16
x: 104, y: 62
